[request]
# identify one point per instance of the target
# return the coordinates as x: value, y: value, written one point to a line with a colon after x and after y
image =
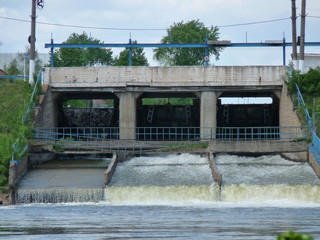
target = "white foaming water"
x: 177, y: 179
x: 186, y: 178
x: 59, y: 195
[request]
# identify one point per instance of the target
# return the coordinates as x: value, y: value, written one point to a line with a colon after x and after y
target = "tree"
x: 138, y: 57
x: 309, y: 83
x: 20, y: 64
x: 77, y: 57
x: 189, y: 32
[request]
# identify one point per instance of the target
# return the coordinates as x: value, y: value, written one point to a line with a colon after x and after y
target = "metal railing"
x: 102, y: 138
x: 302, y: 103
x: 261, y: 133
x: 315, y: 147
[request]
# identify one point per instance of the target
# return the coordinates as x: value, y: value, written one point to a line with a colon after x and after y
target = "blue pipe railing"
x: 110, y: 138
x: 16, y: 152
x: 302, y: 103
x: 315, y: 147
x: 14, y: 77
x: 32, y: 98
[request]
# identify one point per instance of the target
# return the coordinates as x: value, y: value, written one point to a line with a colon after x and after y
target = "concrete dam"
x: 111, y: 107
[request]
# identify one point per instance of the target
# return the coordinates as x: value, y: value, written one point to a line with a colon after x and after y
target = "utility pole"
x: 32, y: 40
x: 302, y: 35
x: 294, y: 34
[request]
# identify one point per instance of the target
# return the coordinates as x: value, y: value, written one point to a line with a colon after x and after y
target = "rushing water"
x: 174, y: 197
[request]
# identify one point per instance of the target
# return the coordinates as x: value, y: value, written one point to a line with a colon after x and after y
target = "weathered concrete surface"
x: 313, y: 163
x: 287, y: 113
x: 110, y: 170
x: 17, y: 170
x: 208, y: 113
x: 217, y: 176
x: 165, y: 76
x: 272, y: 146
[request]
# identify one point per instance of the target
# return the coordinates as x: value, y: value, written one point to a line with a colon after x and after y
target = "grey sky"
x: 160, y: 14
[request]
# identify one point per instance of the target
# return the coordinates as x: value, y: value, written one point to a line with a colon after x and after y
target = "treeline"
x: 192, y: 31
x: 14, y: 100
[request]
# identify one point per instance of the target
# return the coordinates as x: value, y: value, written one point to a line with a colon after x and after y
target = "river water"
x: 260, y: 198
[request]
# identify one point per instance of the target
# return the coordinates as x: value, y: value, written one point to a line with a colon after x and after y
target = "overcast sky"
x: 160, y: 14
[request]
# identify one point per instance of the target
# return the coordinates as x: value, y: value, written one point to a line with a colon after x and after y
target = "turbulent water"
x: 175, y: 197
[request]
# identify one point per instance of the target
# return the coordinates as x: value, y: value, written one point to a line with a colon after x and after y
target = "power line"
x: 313, y: 16
x: 142, y: 29
x: 252, y: 23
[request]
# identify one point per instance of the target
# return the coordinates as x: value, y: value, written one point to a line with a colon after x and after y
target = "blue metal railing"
x: 31, y: 102
x: 302, y: 103
x: 173, y: 133
x: 14, y: 77
x: 315, y: 147
x: 15, y: 149
x: 141, y: 138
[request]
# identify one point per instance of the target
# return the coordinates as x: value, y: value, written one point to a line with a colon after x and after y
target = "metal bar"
x: 172, y: 45
x: 12, y: 77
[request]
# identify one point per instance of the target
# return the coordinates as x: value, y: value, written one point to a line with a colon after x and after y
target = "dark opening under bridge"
x: 204, y: 119
x: 132, y: 124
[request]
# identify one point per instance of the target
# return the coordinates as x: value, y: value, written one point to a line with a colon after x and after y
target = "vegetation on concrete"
x: 193, y: 146
x: 14, y: 100
x: 309, y: 85
x: 187, y: 32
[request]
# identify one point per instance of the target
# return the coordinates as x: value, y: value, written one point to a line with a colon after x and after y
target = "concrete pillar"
x: 208, y: 115
x: 127, y: 115
x: 49, y: 111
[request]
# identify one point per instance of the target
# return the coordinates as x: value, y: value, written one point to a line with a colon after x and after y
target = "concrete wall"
x: 17, y: 170
x: 165, y: 76
x: 272, y: 146
x: 287, y: 113
x: 48, y: 114
x: 313, y: 163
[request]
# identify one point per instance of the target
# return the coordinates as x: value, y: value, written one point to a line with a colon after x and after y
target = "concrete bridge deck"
x: 165, y: 77
x: 128, y: 85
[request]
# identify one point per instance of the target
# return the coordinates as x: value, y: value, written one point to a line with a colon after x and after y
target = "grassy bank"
x: 14, y: 99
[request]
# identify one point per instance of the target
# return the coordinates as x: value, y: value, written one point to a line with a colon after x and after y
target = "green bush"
x: 293, y: 236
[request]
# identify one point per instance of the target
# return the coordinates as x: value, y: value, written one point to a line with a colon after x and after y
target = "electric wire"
x: 144, y: 29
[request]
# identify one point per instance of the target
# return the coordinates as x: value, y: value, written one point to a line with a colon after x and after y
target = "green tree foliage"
x: 309, y: 83
x: 189, y: 32
x: 78, y: 57
x: 14, y: 98
x: 138, y: 57
x: 293, y: 236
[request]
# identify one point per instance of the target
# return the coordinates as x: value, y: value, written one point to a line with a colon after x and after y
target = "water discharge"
x: 168, y: 197
x: 174, y: 179
x: 187, y: 178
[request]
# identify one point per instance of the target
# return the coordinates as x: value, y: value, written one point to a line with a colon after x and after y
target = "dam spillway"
x: 186, y: 178
x: 172, y: 179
